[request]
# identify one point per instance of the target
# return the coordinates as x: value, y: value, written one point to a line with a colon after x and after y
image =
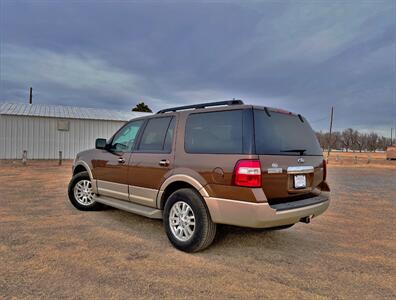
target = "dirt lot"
x: 48, y: 249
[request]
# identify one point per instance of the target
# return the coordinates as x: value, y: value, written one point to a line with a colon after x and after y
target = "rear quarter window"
x: 214, y: 132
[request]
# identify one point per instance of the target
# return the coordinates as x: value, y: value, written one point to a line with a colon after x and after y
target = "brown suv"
x: 201, y: 165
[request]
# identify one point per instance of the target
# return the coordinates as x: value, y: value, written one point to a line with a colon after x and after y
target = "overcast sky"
x: 304, y: 56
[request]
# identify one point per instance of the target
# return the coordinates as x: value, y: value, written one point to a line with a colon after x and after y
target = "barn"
x: 44, y: 130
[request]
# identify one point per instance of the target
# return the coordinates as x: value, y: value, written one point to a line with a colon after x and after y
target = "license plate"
x: 300, y: 181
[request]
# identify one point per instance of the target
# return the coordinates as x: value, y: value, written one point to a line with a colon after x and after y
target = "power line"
x: 318, y: 120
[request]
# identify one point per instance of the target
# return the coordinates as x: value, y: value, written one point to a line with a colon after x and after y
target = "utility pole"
x: 391, y: 137
x: 31, y: 95
x: 331, y: 127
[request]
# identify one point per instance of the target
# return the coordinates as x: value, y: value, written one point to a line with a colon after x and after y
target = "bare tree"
x: 372, y: 141
x: 361, y: 141
x: 351, y: 139
x: 335, y: 140
x: 354, y: 139
x: 347, y: 138
x: 383, y: 143
x: 322, y: 139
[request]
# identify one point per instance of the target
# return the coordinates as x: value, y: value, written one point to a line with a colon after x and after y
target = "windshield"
x: 284, y: 134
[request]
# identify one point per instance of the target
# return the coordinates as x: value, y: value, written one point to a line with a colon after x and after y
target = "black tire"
x: 204, y: 230
x: 77, y: 178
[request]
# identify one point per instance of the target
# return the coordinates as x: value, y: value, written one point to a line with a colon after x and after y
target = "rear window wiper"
x: 301, y: 151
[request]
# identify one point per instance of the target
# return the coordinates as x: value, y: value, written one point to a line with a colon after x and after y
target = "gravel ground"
x: 48, y: 249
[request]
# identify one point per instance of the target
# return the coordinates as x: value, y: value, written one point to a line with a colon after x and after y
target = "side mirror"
x: 100, y: 143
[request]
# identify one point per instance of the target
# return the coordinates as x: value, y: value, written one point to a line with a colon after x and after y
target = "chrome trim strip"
x: 300, y: 169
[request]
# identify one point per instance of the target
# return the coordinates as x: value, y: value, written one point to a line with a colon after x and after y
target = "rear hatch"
x: 290, y: 155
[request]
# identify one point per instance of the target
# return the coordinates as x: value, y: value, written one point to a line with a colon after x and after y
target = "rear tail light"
x: 248, y: 173
x: 324, y: 170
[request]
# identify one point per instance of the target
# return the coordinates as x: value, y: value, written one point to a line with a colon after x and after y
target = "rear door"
x: 152, y: 160
x: 290, y: 155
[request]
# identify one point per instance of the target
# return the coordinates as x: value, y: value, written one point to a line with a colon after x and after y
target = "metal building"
x: 44, y: 130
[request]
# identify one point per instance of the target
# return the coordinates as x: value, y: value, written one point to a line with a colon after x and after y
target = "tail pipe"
x: 307, y: 219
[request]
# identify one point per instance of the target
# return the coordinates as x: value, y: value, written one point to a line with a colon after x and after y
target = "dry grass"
x: 365, y: 155
x: 48, y: 249
x: 360, y: 160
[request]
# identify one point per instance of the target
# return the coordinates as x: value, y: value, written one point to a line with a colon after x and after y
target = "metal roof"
x: 69, y: 112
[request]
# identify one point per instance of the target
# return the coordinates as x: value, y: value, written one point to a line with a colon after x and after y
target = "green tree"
x: 142, y: 107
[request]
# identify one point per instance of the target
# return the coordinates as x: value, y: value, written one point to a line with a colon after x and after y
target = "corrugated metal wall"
x: 42, y: 139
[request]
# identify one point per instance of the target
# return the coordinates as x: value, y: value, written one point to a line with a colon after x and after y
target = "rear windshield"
x: 284, y: 134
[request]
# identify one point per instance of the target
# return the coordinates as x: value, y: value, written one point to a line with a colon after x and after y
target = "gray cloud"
x: 305, y: 56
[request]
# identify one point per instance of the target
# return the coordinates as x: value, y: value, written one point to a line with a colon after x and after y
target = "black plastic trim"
x: 300, y: 203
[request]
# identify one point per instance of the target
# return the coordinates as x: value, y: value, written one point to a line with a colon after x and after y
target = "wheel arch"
x: 82, y: 166
x: 175, y: 183
x: 79, y: 169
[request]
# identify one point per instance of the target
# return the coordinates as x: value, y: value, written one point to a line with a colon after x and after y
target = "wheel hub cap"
x: 182, y: 221
x: 83, y: 192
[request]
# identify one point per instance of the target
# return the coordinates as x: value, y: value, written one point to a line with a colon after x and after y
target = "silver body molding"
x: 112, y: 189
x: 184, y: 178
x: 142, y: 210
x: 143, y: 196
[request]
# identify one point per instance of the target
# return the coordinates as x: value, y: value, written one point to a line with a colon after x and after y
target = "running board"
x: 145, y: 211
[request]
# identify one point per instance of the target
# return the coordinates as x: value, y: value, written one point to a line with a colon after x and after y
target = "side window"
x: 214, y: 132
x: 169, y: 136
x: 124, y: 140
x: 153, y: 138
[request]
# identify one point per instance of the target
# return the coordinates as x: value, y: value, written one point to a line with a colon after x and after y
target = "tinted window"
x: 124, y: 140
x: 169, y: 136
x: 214, y: 132
x: 154, y: 134
x: 284, y: 134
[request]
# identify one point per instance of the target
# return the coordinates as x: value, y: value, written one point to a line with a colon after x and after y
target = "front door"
x: 152, y: 160
x: 111, y: 166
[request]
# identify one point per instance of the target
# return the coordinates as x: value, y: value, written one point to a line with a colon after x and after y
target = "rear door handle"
x: 164, y: 163
x: 121, y: 160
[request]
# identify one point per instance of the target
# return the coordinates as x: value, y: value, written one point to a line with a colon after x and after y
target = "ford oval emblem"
x: 300, y: 160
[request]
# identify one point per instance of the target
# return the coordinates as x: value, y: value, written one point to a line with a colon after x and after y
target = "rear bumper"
x: 262, y: 215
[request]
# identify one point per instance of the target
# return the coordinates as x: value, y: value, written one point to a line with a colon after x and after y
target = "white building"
x: 44, y: 130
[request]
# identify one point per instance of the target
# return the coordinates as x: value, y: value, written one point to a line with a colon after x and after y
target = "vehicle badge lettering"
x: 300, y: 160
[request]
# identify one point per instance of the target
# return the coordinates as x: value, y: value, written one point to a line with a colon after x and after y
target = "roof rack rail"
x: 201, y: 105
